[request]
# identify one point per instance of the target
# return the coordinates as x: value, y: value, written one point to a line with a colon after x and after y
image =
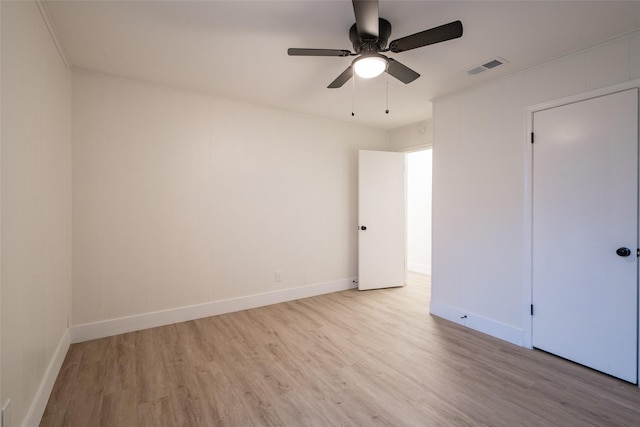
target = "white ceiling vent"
x: 493, y: 63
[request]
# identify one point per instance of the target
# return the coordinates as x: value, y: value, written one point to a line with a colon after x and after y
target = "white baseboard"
x: 419, y: 268
x: 479, y: 323
x: 39, y: 404
x: 90, y: 331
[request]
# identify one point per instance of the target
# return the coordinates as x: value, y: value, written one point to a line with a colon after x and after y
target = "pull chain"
x: 353, y: 94
x: 387, y: 110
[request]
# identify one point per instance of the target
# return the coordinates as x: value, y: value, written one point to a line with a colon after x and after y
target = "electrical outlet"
x: 6, y: 419
x: 278, y: 276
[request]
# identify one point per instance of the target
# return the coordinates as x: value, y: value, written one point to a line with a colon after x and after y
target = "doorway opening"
x: 419, y: 164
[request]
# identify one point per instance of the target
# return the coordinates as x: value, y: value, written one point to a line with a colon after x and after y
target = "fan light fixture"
x: 369, y: 36
x: 370, y: 66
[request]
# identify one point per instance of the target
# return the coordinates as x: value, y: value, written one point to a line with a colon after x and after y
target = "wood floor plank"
x: 120, y: 358
x: 374, y: 358
x: 119, y: 409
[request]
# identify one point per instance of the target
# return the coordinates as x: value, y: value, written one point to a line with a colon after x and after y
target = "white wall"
x: 413, y: 136
x: 35, y: 210
x: 182, y: 199
x: 2, y: 401
x: 419, y: 211
x: 479, y: 183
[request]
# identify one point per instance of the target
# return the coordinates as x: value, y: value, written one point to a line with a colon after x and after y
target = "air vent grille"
x: 476, y: 70
x: 491, y: 64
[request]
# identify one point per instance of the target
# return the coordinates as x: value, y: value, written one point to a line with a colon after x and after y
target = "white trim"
x: 39, y: 403
x: 479, y: 323
x: 70, y: 201
x: 89, y: 331
x: 528, y: 193
x: 595, y: 93
x: 44, y: 11
x: 419, y: 268
x: 2, y: 402
x: 414, y: 148
x: 527, y: 216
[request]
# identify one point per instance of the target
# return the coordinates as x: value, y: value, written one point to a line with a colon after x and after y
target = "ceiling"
x: 238, y: 49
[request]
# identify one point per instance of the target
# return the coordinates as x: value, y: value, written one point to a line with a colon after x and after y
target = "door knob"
x: 363, y: 228
x: 623, y: 252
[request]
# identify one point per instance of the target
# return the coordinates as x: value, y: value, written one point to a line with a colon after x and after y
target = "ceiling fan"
x: 369, y: 36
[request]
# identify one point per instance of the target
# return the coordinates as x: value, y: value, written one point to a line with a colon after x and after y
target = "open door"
x: 382, y: 220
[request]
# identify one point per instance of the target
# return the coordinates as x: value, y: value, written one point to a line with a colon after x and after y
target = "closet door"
x: 585, y: 232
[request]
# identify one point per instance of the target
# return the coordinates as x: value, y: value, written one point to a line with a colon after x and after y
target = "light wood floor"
x: 374, y: 358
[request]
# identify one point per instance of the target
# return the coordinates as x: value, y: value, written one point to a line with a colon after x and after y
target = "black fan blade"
x: 366, y: 12
x: 401, y: 71
x: 445, y: 32
x: 342, y: 78
x: 318, y: 52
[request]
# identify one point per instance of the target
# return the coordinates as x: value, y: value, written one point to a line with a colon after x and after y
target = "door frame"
x: 528, y: 198
x: 407, y: 151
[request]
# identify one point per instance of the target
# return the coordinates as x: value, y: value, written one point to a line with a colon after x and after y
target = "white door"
x: 381, y: 216
x: 585, y: 212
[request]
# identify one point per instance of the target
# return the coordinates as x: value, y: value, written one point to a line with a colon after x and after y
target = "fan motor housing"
x: 373, y: 44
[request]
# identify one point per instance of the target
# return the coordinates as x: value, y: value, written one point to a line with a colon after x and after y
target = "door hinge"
x: 532, y: 309
x: 532, y: 138
x: 638, y: 252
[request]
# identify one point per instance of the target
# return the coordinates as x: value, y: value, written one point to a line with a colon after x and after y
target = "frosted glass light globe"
x: 370, y: 66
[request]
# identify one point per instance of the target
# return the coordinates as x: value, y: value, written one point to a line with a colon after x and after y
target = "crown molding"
x: 44, y: 11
